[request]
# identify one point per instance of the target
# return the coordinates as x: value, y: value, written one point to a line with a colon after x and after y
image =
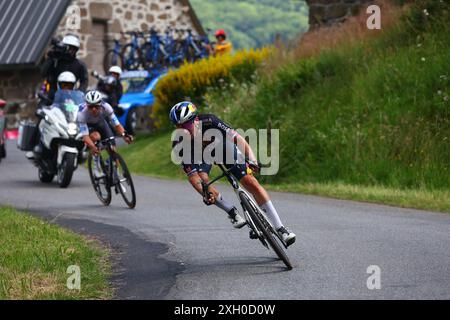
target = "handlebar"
x: 205, y: 186
x: 225, y: 173
x: 105, y: 142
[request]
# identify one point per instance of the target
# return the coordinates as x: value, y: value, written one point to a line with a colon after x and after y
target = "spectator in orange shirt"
x: 223, y: 46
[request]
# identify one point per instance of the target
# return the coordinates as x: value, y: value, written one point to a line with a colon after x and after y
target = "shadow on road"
x: 257, y: 264
x: 20, y: 184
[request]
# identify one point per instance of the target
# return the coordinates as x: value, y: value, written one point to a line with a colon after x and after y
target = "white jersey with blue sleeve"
x: 86, y: 119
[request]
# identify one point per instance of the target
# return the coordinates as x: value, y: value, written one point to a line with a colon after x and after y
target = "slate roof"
x: 26, y: 27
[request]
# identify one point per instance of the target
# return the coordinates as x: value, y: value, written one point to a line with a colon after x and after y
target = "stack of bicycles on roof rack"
x: 153, y: 51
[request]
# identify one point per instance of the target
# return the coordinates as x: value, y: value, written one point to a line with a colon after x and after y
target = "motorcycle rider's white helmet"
x: 93, y: 97
x: 116, y: 69
x: 71, y: 40
x: 67, y: 77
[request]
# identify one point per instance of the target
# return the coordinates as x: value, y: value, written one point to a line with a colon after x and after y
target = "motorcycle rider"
x: 66, y: 81
x: 58, y: 63
x: 116, y: 72
x: 111, y: 86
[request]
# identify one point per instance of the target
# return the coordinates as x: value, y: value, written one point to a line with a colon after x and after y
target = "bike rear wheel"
x: 125, y: 182
x: 112, y: 58
x: 264, y: 226
x: 131, y: 57
x: 101, y: 185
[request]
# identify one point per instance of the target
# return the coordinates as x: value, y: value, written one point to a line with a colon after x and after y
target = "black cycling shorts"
x: 103, y: 128
x: 239, y: 171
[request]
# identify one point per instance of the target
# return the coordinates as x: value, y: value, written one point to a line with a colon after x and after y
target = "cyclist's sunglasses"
x: 94, y: 106
x: 188, y: 125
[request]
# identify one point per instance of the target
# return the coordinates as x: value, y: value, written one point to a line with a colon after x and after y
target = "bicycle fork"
x: 114, y: 176
x: 251, y: 225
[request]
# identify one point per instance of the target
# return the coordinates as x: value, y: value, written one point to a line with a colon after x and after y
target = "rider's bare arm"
x: 90, y: 144
x: 86, y: 136
x: 119, y: 129
x: 196, y: 182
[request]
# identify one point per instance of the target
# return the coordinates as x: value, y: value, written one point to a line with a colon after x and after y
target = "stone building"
x: 29, y: 25
x: 102, y: 21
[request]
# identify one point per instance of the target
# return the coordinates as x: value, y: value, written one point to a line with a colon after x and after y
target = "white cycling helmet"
x: 93, y: 97
x: 116, y: 69
x: 68, y: 77
x: 71, y: 40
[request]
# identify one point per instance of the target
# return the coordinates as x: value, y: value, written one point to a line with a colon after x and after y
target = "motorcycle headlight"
x: 72, y: 129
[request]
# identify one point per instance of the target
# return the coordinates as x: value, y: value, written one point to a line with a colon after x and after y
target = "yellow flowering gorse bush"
x: 192, y: 79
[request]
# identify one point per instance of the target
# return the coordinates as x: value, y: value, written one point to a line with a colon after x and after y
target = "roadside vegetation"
x: 192, y: 81
x: 362, y: 114
x: 254, y: 23
x: 35, y: 255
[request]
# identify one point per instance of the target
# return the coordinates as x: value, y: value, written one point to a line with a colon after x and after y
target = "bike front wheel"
x: 125, y: 182
x: 100, y: 183
x: 264, y: 226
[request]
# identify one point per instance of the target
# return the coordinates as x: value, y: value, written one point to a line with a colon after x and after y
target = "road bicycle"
x: 114, y: 173
x: 255, y: 217
x: 192, y: 48
x: 157, y: 52
x: 173, y: 48
x: 154, y: 51
x: 113, y: 57
x: 132, y: 52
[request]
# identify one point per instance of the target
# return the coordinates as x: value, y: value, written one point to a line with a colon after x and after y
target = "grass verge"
x: 434, y: 200
x: 150, y: 156
x: 35, y: 255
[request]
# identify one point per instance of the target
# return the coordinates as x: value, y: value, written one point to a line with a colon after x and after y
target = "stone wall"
x: 19, y: 85
x: 329, y: 12
x: 126, y: 15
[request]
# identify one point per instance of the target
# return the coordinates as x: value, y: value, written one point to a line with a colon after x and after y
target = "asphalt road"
x: 200, y: 255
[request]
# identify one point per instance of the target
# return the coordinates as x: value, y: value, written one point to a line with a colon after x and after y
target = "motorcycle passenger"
x: 64, y: 59
x: 184, y: 115
x: 93, y: 121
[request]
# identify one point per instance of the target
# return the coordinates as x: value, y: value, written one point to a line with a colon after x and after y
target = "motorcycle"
x: 61, y: 148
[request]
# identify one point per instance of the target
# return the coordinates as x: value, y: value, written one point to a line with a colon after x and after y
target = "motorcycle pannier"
x: 26, y: 130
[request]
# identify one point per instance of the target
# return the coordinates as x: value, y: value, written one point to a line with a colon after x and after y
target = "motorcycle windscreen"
x: 68, y: 102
